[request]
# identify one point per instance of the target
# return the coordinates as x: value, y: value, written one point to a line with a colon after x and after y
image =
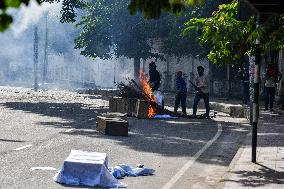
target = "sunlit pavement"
x: 268, y: 172
x: 42, y: 134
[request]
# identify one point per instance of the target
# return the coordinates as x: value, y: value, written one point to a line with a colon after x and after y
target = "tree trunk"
x: 136, y: 68
x: 228, y: 81
x: 210, y: 73
x: 167, y: 81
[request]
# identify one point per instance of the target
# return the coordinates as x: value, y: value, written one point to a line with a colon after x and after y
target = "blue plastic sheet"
x: 123, y: 170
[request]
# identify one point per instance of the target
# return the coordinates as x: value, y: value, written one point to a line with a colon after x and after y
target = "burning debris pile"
x: 138, y: 100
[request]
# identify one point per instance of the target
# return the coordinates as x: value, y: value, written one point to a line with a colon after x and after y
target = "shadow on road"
x: 177, y: 137
x: 76, y: 115
x: 9, y: 140
x: 260, y: 177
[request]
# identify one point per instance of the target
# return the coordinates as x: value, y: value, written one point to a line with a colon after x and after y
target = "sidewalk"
x: 232, y: 107
x: 268, y: 172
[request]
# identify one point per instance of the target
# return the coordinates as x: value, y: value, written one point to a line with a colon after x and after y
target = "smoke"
x: 30, y: 15
x: 66, y: 67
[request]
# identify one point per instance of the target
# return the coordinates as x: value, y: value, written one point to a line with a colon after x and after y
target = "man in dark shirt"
x: 272, y: 77
x: 154, y: 75
x: 181, y: 93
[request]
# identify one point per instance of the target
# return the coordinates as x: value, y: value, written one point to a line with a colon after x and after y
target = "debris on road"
x: 87, y: 168
x: 112, y: 124
x: 123, y: 170
x: 91, y: 169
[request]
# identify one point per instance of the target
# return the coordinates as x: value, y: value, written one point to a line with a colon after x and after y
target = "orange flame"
x: 151, y: 112
x: 148, y: 91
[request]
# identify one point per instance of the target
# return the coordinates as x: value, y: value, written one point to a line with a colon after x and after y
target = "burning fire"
x: 148, y: 91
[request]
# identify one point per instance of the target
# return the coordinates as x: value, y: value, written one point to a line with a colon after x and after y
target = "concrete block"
x: 112, y: 126
x: 231, y: 109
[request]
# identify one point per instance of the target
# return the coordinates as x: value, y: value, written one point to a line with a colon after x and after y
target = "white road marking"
x: 186, y: 166
x: 23, y: 147
x: 69, y: 130
x: 44, y: 168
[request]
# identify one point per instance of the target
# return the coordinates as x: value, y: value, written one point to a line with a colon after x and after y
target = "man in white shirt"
x: 202, y: 91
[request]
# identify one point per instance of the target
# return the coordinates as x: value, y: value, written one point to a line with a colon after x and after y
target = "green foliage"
x: 270, y: 33
x: 223, y: 32
x: 5, y: 21
x: 230, y: 39
x: 153, y: 8
x: 108, y: 28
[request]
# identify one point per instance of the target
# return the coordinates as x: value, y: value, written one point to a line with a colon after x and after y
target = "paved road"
x: 42, y: 134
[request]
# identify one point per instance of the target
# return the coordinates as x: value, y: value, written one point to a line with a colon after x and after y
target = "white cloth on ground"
x: 87, y: 168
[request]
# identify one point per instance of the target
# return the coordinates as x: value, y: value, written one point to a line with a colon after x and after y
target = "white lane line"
x: 186, y: 166
x: 69, y: 130
x: 43, y: 168
x: 23, y: 147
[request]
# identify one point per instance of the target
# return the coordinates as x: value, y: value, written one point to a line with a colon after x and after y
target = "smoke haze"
x: 66, y: 68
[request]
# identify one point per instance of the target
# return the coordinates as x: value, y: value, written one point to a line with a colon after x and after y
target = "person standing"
x: 181, y: 93
x: 202, y: 91
x: 272, y: 76
x: 154, y: 77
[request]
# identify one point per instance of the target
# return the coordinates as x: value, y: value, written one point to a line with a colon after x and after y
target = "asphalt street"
x: 41, y: 133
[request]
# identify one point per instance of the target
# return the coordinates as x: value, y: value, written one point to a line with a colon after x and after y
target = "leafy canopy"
x: 230, y: 39
x: 107, y: 28
x: 149, y: 8
x: 223, y: 32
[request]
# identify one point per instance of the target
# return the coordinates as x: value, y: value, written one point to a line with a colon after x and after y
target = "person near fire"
x: 154, y: 77
x: 202, y: 91
x: 181, y: 93
x: 272, y: 77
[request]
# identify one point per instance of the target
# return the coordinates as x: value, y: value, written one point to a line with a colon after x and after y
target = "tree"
x: 150, y: 9
x: 108, y: 29
x: 230, y: 39
x: 154, y: 8
x: 176, y: 44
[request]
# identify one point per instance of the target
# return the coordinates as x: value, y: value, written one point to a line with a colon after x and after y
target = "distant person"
x: 202, y: 91
x: 154, y: 77
x: 272, y: 76
x: 181, y: 93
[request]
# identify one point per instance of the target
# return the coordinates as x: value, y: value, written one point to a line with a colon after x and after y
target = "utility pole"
x: 255, y: 111
x: 36, y: 58
x: 45, y: 61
